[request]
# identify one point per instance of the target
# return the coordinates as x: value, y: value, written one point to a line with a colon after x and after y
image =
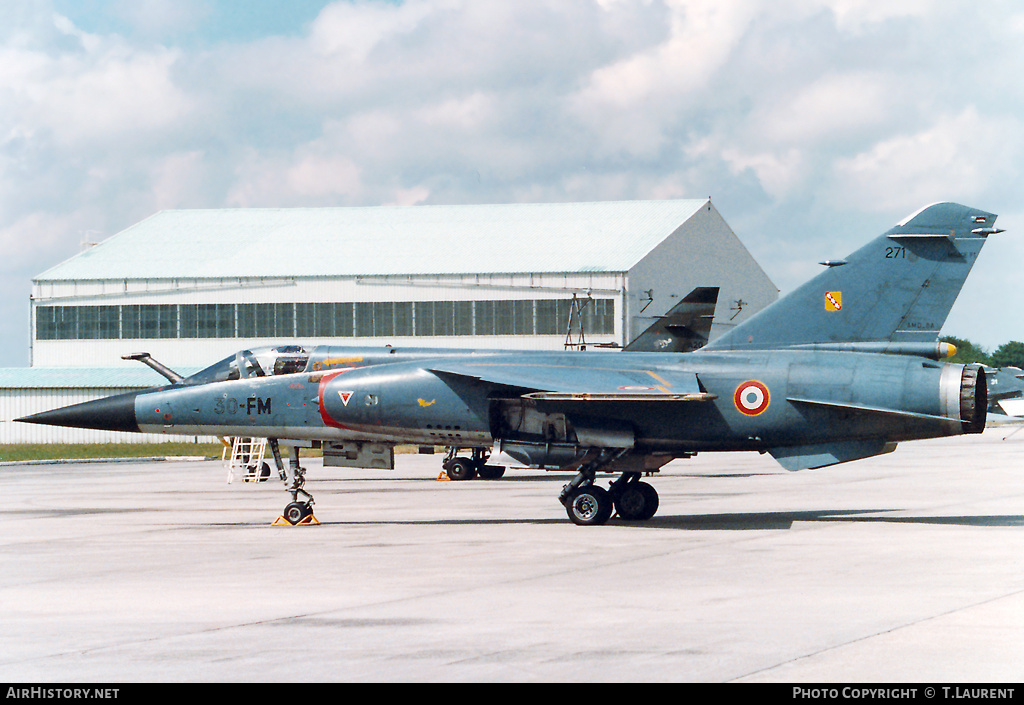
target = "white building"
x: 192, y: 286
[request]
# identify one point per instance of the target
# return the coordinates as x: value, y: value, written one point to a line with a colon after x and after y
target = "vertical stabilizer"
x: 685, y: 328
x: 899, y: 287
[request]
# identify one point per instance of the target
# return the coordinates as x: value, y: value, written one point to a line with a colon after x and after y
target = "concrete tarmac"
x: 902, y: 568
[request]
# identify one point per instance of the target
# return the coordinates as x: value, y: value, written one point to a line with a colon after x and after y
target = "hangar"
x: 193, y: 286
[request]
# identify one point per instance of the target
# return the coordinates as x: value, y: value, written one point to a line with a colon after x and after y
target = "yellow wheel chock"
x: 305, y: 521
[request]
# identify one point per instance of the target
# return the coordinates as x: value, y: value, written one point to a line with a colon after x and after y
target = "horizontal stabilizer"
x: 820, y: 455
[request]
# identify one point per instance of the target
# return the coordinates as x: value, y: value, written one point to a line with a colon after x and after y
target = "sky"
x: 813, y: 125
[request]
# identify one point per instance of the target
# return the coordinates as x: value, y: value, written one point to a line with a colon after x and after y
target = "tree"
x: 1009, y: 354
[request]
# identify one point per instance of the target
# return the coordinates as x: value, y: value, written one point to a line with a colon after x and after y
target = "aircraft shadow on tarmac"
x: 729, y: 522
x: 785, y: 520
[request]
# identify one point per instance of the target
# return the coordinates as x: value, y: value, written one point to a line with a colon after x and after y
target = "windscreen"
x: 259, y: 362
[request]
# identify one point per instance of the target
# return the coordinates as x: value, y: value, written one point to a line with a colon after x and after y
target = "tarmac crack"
x: 884, y: 632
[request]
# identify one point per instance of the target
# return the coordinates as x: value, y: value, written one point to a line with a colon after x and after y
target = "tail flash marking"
x: 833, y: 301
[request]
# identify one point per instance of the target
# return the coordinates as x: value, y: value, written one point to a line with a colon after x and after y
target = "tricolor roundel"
x: 751, y: 397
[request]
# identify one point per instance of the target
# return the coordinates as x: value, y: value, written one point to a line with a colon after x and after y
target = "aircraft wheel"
x: 491, y: 472
x: 589, y: 506
x: 461, y: 469
x: 638, y: 502
x: 651, y: 501
x: 630, y: 504
x: 296, y: 512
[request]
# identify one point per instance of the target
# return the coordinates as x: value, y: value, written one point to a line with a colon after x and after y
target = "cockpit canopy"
x: 258, y: 362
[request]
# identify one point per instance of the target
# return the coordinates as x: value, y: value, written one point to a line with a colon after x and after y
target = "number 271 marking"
x: 895, y: 253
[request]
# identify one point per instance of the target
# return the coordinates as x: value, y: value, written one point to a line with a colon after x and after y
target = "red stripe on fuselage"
x: 324, y: 416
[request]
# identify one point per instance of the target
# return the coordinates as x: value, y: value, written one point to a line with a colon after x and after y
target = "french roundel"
x: 752, y: 398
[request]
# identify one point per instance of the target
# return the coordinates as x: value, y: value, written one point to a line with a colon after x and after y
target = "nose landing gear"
x: 297, y: 511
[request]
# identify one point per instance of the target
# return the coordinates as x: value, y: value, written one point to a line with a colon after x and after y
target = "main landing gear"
x: 460, y: 467
x: 297, y: 511
x: 590, y: 505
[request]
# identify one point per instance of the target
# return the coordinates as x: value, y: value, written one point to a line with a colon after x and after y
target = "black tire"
x: 490, y: 472
x: 651, y: 501
x: 461, y: 469
x: 637, y: 502
x: 265, y: 472
x: 296, y: 512
x: 631, y: 503
x: 589, y: 506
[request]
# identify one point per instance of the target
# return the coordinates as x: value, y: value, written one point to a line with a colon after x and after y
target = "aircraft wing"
x: 553, y: 382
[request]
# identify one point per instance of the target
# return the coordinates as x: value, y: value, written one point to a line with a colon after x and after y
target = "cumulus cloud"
x: 960, y: 156
x: 811, y: 123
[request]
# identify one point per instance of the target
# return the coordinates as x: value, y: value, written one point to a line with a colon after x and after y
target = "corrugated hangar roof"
x: 387, y: 240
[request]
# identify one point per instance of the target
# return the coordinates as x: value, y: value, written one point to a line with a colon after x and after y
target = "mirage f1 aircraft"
x: 843, y: 368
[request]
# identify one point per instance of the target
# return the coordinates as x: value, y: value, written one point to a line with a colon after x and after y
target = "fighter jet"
x: 1006, y: 393
x: 843, y: 368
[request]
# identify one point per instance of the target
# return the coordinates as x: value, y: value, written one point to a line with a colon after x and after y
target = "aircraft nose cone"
x: 116, y: 413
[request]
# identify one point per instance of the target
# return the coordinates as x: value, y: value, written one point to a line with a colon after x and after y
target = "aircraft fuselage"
x: 762, y: 400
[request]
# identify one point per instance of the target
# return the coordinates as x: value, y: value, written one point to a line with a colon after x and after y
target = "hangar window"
x: 379, y: 319
x: 403, y: 318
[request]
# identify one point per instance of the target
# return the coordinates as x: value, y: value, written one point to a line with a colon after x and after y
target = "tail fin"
x: 685, y: 328
x: 899, y: 287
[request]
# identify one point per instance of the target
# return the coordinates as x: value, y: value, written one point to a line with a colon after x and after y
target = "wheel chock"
x: 443, y: 477
x: 305, y: 521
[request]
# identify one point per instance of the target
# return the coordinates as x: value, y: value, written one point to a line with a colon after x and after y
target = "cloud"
x: 351, y: 30
x: 155, y: 18
x: 959, y: 156
x: 856, y: 15
x: 100, y: 92
x: 811, y: 123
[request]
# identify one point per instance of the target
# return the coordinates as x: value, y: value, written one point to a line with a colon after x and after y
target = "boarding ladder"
x: 245, y: 461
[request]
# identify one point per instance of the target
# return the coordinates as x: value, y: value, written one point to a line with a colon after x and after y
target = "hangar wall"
x: 704, y: 251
